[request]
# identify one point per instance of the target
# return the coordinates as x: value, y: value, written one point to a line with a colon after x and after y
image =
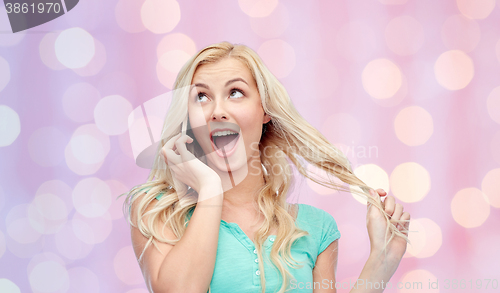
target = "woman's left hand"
x: 377, y: 225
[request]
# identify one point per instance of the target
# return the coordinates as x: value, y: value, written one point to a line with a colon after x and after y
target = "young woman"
x: 213, y: 214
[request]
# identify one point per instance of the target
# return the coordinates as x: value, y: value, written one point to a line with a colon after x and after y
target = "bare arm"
x: 380, y: 267
x: 325, y: 269
x: 188, y: 266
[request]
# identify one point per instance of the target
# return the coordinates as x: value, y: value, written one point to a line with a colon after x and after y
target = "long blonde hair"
x: 288, y: 136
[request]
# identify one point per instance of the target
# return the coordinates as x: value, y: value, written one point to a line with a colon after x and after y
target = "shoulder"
x: 318, y: 222
x: 311, y: 213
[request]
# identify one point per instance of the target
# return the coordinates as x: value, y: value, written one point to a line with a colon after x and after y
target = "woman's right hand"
x: 186, y: 167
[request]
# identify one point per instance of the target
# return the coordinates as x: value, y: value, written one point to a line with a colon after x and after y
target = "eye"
x: 200, y: 96
x: 236, y: 93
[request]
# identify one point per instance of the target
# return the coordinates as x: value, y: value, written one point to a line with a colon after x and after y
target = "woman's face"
x: 224, y: 96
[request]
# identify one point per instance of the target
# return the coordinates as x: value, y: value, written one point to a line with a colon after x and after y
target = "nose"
x: 219, y: 113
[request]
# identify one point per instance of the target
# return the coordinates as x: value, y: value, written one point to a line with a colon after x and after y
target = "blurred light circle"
x: 258, y: 8
x: 320, y: 173
x: 273, y: 25
x: 47, y: 213
x: 425, y: 236
x: 342, y: 128
x: 176, y: 41
x: 476, y: 9
x: 18, y: 225
x: 398, y: 97
x: 7, y: 286
x: 415, y: 281
x: 4, y: 73
x: 413, y: 126
x: 21, y: 231
x: 8, y: 39
x: 410, y: 182
x: 117, y: 188
x: 417, y: 237
x: 404, y: 35
x: 43, y: 257
x: 89, y: 135
x: 87, y: 149
x: 48, y: 52
x: 25, y: 250
x: 460, y: 33
x: 470, y: 207
x: 111, y: 114
x: 70, y: 246
x: 96, y: 64
x: 3, y: 245
x: 128, y: 16
x: 92, y: 230
x: 46, y: 146
x: 491, y: 186
x: 381, y: 78
x: 174, y: 60
x: 77, y: 166
x: 50, y: 206
x: 92, y: 197
x: 48, y: 276
x: 75, y: 47
x: 83, y: 280
x: 160, y: 16
x: 125, y: 265
x: 59, y: 189
x: 493, y: 104
x: 356, y: 41
x: 454, y: 70
x: 374, y: 176
x: 79, y: 101
x: 82, y: 160
x: 169, y: 65
x: 278, y: 56
x: 10, y: 126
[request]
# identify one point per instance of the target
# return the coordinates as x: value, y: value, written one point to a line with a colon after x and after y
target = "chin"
x: 237, y: 162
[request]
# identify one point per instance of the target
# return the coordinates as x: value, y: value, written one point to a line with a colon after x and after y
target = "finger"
x: 381, y: 192
x: 181, y: 147
x: 170, y: 143
x: 172, y: 157
x: 169, y: 153
x: 389, y: 205
x: 406, y: 217
x: 398, y: 211
x: 375, y: 196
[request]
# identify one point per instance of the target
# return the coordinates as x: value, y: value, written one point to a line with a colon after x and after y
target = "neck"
x: 246, y: 184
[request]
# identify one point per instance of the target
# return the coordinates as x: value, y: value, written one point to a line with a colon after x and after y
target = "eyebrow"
x: 227, y: 83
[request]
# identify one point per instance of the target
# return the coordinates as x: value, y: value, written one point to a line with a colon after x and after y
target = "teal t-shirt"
x: 236, y: 265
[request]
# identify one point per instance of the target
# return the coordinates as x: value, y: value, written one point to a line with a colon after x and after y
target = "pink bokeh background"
x: 409, y: 90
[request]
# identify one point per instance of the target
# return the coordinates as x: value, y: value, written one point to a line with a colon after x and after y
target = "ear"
x: 266, y: 118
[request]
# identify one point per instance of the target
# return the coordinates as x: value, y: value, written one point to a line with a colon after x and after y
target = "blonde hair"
x: 287, y: 136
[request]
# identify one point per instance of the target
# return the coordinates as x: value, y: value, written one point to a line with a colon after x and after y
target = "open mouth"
x: 224, y: 140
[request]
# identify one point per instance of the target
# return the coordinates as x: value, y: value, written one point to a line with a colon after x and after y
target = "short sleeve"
x: 330, y: 232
